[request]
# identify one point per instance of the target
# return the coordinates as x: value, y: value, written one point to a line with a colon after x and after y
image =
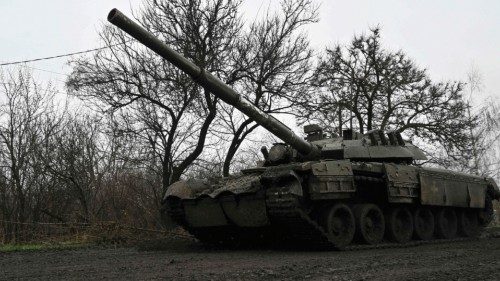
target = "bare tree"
x: 160, y: 103
x: 474, y: 85
x: 273, y: 66
x: 487, y: 143
x: 371, y: 87
x: 65, y: 167
x: 80, y: 159
x: 27, y: 116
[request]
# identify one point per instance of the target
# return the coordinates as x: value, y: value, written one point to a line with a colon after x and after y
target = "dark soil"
x: 186, y: 260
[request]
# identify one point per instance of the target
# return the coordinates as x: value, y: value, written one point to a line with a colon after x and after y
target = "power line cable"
x: 49, y: 71
x: 45, y: 70
x: 63, y: 55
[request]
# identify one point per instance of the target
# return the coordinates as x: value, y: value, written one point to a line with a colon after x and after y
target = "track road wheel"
x: 340, y: 225
x: 370, y: 224
x: 468, y: 223
x: 446, y: 223
x: 423, y: 223
x: 399, y: 224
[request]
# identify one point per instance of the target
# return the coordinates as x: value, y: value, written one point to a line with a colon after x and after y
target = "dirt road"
x: 473, y: 260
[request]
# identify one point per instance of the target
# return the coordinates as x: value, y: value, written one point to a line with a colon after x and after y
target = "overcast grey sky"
x: 445, y: 37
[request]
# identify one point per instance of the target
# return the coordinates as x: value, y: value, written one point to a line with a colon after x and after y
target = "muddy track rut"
x: 187, y: 260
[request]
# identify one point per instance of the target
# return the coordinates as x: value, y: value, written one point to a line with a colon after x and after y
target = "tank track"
x: 286, y: 212
x: 292, y: 225
x: 292, y: 222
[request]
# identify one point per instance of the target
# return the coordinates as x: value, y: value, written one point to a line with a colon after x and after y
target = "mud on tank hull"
x: 332, y: 204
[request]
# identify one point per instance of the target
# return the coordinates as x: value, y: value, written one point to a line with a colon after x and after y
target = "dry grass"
x: 5, y: 248
x: 102, y: 234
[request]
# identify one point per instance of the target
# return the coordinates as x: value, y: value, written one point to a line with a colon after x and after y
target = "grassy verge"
x: 6, y: 248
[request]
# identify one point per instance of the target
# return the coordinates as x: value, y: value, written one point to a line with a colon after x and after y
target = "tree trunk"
x: 238, y: 138
x: 340, y: 120
x: 235, y: 144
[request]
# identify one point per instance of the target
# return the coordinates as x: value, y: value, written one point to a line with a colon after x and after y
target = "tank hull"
x: 290, y: 202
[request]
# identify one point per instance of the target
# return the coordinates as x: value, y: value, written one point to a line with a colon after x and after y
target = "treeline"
x: 65, y: 165
x: 140, y: 124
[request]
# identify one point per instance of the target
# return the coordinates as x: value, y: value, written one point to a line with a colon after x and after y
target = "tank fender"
x: 185, y: 189
x: 440, y: 187
x: 493, y: 189
x: 402, y: 183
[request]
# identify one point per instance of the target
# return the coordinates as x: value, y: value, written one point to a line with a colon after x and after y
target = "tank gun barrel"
x: 210, y: 82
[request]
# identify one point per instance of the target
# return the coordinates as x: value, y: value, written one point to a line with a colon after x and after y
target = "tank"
x: 319, y: 191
